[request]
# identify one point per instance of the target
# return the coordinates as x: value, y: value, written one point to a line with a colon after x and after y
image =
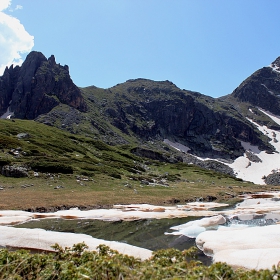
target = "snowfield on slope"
x: 243, y: 167
x: 254, y: 171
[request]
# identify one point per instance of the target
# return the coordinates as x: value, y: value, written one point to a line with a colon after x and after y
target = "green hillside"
x: 62, y: 169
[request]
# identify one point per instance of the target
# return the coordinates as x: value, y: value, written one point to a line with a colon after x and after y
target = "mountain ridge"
x: 146, y: 112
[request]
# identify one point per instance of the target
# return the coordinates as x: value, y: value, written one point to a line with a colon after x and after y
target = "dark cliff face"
x: 37, y: 87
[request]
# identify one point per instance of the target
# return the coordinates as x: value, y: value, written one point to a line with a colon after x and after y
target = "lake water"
x: 147, y: 233
x: 255, y: 210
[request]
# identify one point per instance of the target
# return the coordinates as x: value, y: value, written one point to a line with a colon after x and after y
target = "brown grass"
x: 103, y: 190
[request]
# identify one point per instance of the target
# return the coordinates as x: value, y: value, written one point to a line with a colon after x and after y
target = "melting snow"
x: 257, y: 247
x: 243, y: 245
x: 43, y: 240
x: 194, y: 228
x: 7, y: 115
x: 119, y: 212
x: 254, y: 171
x: 252, y: 247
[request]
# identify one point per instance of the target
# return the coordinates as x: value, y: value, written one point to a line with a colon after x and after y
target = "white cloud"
x: 18, y: 7
x: 14, y: 39
x: 4, y: 4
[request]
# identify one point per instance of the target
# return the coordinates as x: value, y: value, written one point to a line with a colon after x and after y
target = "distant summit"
x: 276, y: 64
x: 261, y: 89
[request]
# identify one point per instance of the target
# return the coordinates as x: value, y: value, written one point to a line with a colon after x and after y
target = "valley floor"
x: 65, y: 192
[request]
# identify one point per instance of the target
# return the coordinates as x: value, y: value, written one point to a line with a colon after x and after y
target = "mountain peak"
x: 51, y: 59
x: 37, y: 87
x: 276, y: 64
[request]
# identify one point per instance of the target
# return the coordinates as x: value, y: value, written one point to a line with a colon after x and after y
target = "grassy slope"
x: 93, y: 173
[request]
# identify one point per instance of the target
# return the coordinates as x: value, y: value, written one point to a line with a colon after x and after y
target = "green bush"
x: 104, y: 263
x: 52, y: 167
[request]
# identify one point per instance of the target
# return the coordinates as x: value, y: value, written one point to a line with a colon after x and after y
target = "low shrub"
x: 51, y: 167
x: 104, y: 263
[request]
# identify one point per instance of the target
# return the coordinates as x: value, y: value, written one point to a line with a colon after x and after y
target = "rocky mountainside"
x: 262, y: 88
x: 154, y: 111
x: 156, y: 116
x: 259, y: 91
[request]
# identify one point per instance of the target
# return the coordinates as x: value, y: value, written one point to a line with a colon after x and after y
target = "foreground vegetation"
x: 78, y: 263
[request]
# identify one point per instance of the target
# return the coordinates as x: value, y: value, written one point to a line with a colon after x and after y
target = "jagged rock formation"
x: 37, y: 87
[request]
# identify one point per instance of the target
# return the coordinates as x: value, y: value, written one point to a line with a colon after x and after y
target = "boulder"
x: 14, y: 171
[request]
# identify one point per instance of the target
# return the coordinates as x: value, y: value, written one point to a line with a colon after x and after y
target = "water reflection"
x: 147, y: 233
x: 255, y: 210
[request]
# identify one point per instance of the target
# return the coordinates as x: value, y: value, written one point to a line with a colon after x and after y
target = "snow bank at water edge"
x: 119, y: 212
x: 247, y: 236
x: 40, y: 239
x: 252, y: 247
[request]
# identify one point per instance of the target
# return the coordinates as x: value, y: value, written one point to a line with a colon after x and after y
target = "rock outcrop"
x: 36, y: 87
x: 14, y: 171
x: 273, y: 179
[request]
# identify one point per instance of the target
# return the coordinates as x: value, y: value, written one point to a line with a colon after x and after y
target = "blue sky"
x: 209, y: 46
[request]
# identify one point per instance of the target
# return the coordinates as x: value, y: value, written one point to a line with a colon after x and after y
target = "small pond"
x: 147, y: 233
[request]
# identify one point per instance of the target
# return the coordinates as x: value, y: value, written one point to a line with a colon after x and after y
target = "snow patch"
x: 181, y: 148
x: 243, y: 167
x: 272, y: 116
x: 246, y: 244
x: 43, y: 240
x: 274, y: 68
x: 7, y: 115
x: 117, y: 213
x: 223, y: 243
x: 177, y: 146
x: 252, y: 247
x: 254, y: 171
x: 194, y: 228
x: 271, y: 92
